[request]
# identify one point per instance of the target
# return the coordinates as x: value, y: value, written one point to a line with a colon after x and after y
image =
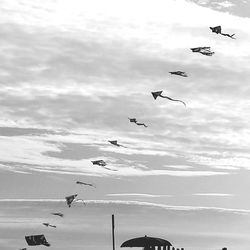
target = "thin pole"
x: 113, y: 231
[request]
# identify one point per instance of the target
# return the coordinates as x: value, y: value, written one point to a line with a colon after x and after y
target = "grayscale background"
x: 73, y: 71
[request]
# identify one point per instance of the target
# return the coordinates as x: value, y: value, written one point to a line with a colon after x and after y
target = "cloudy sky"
x: 72, y: 72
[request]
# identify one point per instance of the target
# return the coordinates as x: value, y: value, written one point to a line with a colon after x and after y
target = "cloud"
x: 213, y: 194
x: 140, y: 195
x: 71, y: 74
x: 131, y: 203
x: 49, y: 153
x: 178, y: 167
x: 226, y: 4
x: 233, y: 7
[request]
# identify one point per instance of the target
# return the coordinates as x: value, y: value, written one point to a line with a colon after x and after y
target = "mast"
x: 113, y: 231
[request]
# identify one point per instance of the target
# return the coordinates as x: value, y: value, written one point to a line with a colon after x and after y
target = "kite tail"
x: 141, y: 124
x: 164, y: 97
x: 174, y: 100
x: 182, y: 102
x: 231, y: 36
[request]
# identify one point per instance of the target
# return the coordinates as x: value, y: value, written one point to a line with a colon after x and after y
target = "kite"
x: 178, y: 73
x: 70, y: 199
x: 116, y: 144
x: 84, y: 183
x: 217, y: 30
x: 35, y: 240
x: 137, y: 123
x: 99, y: 163
x: 132, y: 120
x: 58, y: 214
x: 48, y: 225
x: 198, y: 49
x: 102, y: 164
x: 203, y: 50
x: 159, y: 93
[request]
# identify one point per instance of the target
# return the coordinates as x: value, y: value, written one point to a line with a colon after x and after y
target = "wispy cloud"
x: 133, y: 203
x: 140, y: 195
x: 178, y: 166
x: 213, y: 194
x: 42, y: 153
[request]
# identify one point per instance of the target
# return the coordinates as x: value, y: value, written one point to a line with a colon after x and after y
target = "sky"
x: 72, y: 72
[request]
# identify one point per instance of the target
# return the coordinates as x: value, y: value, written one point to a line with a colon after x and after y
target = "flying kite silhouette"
x: 35, y: 240
x: 198, y: 49
x: 179, y: 73
x: 115, y: 143
x: 86, y: 184
x: 159, y: 93
x: 102, y: 164
x: 70, y: 199
x: 48, y: 225
x: 217, y: 30
x: 133, y: 120
x: 58, y: 214
x: 203, y: 50
x: 99, y: 163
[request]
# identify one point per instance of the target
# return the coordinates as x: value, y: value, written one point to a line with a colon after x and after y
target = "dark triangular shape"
x: 156, y: 94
